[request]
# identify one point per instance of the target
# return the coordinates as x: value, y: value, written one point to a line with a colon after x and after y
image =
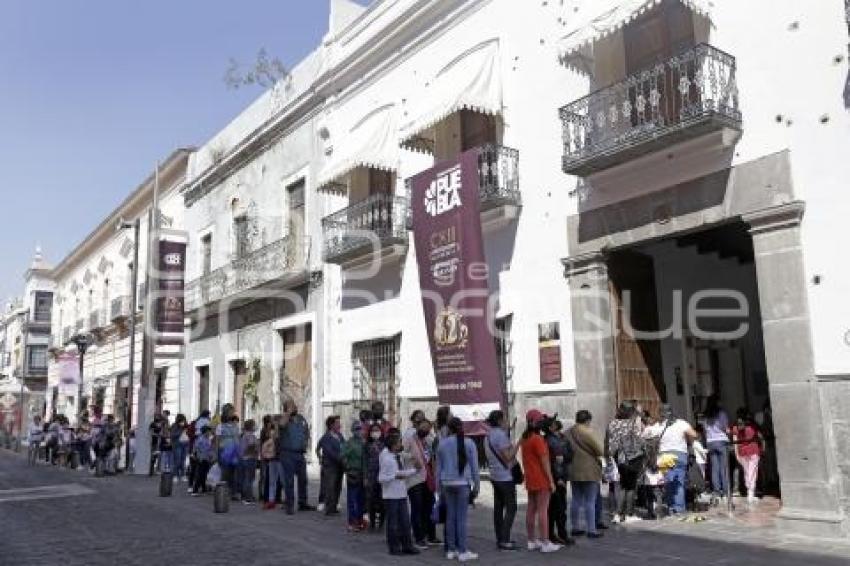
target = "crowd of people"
x: 94, y: 443
x: 409, y: 481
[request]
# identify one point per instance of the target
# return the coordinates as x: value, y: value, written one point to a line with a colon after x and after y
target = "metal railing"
x: 264, y: 265
x: 498, y: 176
x: 693, y: 88
x: 120, y: 308
x: 377, y: 220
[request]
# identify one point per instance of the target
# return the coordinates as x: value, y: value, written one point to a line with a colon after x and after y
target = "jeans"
x: 247, y: 475
x: 179, y: 456
x: 331, y: 486
x: 294, y: 466
x: 504, y: 509
x: 558, y: 513
x: 674, y: 483
x: 421, y: 503
x: 274, y: 473
x: 202, y: 468
x: 356, y: 497
x: 85, y: 453
x: 375, y: 505
x: 230, y: 475
x: 457, y: 505
x: 718, y: 455
x: 585, y: 496
x: 398, y: 524
x: 166, y: 461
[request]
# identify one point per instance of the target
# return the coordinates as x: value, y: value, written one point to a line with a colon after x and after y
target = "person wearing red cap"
x: 538, y: 482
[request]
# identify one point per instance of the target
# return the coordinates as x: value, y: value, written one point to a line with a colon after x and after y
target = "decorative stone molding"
x: 87, y: 278
x: 104, y: 265
x: 126, y: 247
x: 776, y: 217
x: 316, y: 279
x: 591, y: 263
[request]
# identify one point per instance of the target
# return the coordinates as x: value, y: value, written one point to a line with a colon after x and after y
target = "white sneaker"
x: 548, y: 547
x: 320, y: 507
x: 616, y: 520
x: 451, y: 555
x: 534, y: 545
x: 632, y: 519
x: 467, y: 556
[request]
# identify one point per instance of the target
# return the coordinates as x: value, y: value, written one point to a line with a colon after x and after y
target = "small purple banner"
x: 454, y: 285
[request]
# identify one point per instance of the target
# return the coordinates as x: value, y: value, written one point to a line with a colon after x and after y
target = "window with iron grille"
x: 241, y: 236
x: 375, y: 365
x: 43, y: 306
x: 37, y: 357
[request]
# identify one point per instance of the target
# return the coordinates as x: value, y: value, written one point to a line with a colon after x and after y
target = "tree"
x: 265, y: 72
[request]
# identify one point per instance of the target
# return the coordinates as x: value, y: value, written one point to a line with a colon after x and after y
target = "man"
x: 294, y: 438
x: 501, y: 455
x: 329, y: 452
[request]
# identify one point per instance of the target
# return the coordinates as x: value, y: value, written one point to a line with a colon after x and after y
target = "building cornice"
x: 135, y: 202
x: 381, y: 49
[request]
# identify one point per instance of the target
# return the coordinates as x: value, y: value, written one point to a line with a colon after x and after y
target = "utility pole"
x: 134, y: 306
x: 146, y: 405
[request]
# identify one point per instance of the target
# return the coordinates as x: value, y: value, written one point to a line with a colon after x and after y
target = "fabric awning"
x: 370, y: 141
x: 471, y: 81
x: 590, y: 20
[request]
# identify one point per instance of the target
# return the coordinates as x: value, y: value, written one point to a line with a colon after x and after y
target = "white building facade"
x: 93, y: 299
x: 644, y: 165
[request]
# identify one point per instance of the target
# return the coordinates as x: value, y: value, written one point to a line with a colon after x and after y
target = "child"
x: 271, y: 464
x: 394, y: 491
x: 204, y: 454
x: 354, y: 459
x: 249, y: 451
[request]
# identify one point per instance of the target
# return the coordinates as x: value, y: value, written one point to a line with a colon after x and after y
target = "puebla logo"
x: 173, y: 259
x: 443, y: 194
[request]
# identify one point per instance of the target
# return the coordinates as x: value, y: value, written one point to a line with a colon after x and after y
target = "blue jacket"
x: 447, y: 464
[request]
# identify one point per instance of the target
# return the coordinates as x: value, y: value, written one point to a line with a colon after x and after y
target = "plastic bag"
x: 214, y: 475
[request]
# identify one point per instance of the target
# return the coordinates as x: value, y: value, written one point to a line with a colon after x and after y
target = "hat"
x: 534, y: 416
x: 356, y: 426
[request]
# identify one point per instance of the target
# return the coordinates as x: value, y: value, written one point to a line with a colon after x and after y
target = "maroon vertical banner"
x: 171, y: 273
x: 454, y: 284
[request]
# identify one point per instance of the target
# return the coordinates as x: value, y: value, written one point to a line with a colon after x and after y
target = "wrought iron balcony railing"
x: 253, y: 270
x: 376, y: 222
x: 690, y: 94
x: 498, y: 176
x: 120, y: 308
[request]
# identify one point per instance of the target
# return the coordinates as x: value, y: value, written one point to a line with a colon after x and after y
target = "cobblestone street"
x: 56, y: 516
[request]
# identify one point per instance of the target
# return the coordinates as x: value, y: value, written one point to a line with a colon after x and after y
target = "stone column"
x: 593, y: 337
x: 809, y: 496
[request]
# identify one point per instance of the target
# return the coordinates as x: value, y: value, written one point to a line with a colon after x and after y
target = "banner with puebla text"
x: 454, y: 284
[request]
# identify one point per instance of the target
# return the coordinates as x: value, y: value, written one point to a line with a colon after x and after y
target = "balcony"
x: 498, y: 177
x: 120, y: 309
x: 96, y: 321
x: 276, y: 265
x: 375, y: 225
x: 682, y: 98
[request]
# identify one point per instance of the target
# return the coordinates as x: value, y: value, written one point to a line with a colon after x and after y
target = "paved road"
x: 51, y: 516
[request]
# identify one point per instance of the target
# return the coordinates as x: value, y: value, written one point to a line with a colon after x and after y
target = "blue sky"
x: 93, y: 93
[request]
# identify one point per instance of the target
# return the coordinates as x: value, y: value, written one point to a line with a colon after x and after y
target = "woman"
x: 673, y: 436
x: 501, y: 457
x: 420, y: 485
x: 539, y: 483
x: 625, y: 448
x: 458, y: 481
x: 393, y: 491
x: 748, y: 448
x: 585, y: 475
x: 180, y: 445
x: 717, y: 442
x: 374, y: 499
x: 227, y: 449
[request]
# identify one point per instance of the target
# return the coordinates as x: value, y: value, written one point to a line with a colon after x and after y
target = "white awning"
x: 471, y: 81
x: 370, y: 141
x: 590, y: 20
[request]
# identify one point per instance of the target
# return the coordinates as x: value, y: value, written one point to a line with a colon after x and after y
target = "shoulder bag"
x: 516, y: 470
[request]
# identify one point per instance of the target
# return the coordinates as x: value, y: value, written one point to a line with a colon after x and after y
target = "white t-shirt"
x: 673, y: 439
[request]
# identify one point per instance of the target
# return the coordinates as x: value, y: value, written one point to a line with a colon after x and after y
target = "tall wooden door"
x: 297, y: 368
x: 635, y: 307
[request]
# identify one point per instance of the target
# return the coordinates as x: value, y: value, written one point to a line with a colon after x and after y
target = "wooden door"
x: 476, y: 129
x: 653, y: 39
x: 637, y: 361
x: 203, y: 388
x: 240, y: 377
x: 297, y: 366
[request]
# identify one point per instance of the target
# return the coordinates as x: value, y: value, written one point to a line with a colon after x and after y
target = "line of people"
x: 95, y: 442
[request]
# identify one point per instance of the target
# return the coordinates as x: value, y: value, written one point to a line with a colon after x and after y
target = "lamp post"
x: 128, y: 417
x: 82, y: 341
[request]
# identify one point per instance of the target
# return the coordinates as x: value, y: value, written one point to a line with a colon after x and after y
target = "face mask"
x: 376, y: 435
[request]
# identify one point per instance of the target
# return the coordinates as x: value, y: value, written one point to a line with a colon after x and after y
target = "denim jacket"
x: 447, y: 464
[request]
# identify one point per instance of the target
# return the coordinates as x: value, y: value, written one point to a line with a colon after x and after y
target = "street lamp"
x: 128, y: 417
x: 82, y: 341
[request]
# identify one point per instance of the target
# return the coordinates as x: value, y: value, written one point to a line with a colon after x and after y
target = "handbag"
x: 516, y: 470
